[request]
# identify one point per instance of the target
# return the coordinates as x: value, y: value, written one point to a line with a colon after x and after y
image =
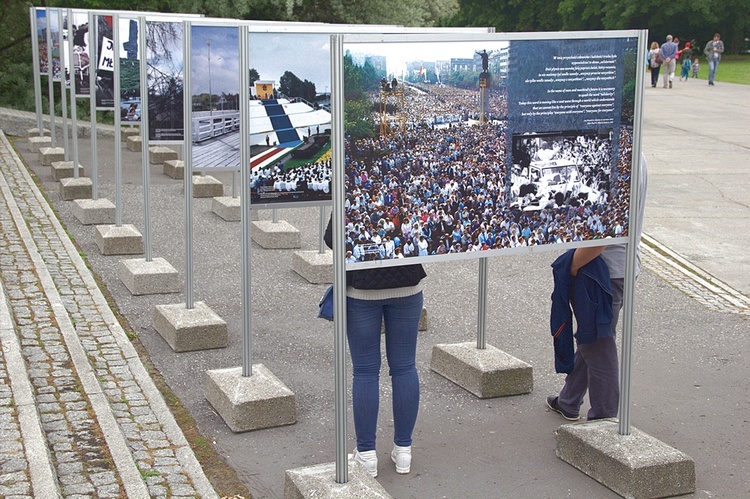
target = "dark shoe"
x: 552, y: 404
x: 670, y: 83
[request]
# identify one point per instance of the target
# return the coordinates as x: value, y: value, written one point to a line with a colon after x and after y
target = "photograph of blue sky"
x: 165, y: 57
x: 225, y: 60
x: 307, y: 55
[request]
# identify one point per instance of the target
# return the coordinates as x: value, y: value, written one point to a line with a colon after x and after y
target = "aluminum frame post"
x: 246, y: 208
x: 73, y: 107
x: 482, y: 304
x: 50, y: 78
x: 93, y: 54
x: 37, y: 75
x: 63, y: 85
x: 116, y: 108
x: 145, y: 162
x: 188, y: 160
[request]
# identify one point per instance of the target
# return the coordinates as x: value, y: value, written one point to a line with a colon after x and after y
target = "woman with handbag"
x: 392, y: 295
x: 655, y: 61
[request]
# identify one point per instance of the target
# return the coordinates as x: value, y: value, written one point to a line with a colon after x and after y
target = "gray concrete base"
x: 174, y: 168
x: 35, y: 142
x: 635, y: 465
x: 48, y: 155
x: 76, y: 188
x: 35, y: 132
x: 149, y: 278
x: 248, y: 403
x: 320, y: 481
x: 159, y: 154
x: 279, y: 235
x: 227, y: 207
x: 314, y: 266
x: 129, y: 131
x: 64, y: 169
x: 206, y: 186
x: 486, y: 373
x: 114, y: 240
x: 94, y: 212
x: 134, y: 143
x: 187, y: 330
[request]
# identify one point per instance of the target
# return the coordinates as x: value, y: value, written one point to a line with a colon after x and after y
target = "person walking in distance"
x: 713, y: 51
x: 668, y: 54
x: 654, y: 60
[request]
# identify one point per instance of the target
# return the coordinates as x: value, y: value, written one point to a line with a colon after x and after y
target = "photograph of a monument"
x: 290, y: 118
x: 130, y: 70
x: 440, y: 165
x: 165, y: 61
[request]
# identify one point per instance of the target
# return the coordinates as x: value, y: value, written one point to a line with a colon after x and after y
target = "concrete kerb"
x: 320, y: 481
x: 248, y: 403
x: 43, y: 477
x: 635, y: 465
x: 486, y: 373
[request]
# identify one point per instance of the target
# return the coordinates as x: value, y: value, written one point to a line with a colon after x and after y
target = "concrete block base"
x: 129, y: 131
x: 94, y: 212
x: 49, y: 155
x: 635, y: 465
x: 320, y: 481
x: 187, y: 330
x: 123, y: 240
x: 227, y: 207
x: 35, y: 132
x: 76, y: 188
x: 486, y: 373
x: 314, y: 266
x: 35, y: 143
x: 64, y: 169
x: 280, y: 235
x: 159, y: 154
x: 248, y: 403
x: 206, y: 186
x: 134, y: 143
x: 149, y: 278
x: 174, y: 168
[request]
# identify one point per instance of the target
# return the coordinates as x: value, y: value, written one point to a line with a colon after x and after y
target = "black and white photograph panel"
x: 165, y: 61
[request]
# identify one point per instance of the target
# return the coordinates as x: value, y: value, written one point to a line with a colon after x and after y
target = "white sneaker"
x: 402, y: 457
x: 369, y: 461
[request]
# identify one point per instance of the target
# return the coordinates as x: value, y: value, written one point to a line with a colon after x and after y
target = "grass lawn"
x: 732, y: 69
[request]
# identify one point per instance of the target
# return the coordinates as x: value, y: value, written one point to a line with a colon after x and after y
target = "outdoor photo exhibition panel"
x: 130, y: 70
x: 165, y: 61
x: 464, y: 147
x: 290, y: 110
x: 215, y: 97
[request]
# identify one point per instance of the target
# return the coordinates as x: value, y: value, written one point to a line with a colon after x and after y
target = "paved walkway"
x: 80, y: 416
x: 72, y: 388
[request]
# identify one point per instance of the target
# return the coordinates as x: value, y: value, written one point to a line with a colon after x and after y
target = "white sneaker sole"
x: 401, y: 471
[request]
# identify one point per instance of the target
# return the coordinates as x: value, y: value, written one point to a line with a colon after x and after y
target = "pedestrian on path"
x: 713, y: 51
x: 669, y: 55
x: 654, y: 61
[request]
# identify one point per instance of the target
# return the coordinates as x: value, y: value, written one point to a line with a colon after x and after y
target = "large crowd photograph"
x: 437, y: 166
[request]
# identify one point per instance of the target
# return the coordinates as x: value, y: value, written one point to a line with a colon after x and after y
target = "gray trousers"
x: 595, y: 369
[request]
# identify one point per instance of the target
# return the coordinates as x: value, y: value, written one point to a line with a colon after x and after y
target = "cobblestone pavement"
x: 68, y: 371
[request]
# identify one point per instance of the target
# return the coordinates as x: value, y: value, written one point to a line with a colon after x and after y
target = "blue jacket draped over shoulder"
x: 590, y: 294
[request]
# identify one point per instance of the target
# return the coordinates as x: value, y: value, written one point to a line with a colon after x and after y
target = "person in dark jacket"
x: 392, y: 295
x: 595, y: 366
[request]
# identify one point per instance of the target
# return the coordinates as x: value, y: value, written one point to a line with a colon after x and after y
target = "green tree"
x: 291, y: 86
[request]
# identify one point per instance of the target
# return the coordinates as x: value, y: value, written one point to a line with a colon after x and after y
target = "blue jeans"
x: 712, y: 65
x: 363, y: 330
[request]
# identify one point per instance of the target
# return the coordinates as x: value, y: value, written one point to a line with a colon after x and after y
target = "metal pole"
x: 482, y: 305
x: 210, y: 95
x: 339, y: 270
x: 275, y: 216
x: 234, y: 184
x: 245, y: 204
x: 116, y: 108
x: 93, y: 56
x: 323, y: 225
x: 50, y: 78
x: 634, y: 233
x: 187, y: 149
x: 63, y: 85
x: 35, y: 62
x: 73, y: 110
x: 145, y: 162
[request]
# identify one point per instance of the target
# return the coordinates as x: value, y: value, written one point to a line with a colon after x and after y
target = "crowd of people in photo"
x: 438, y: 190
x: 309, y: 181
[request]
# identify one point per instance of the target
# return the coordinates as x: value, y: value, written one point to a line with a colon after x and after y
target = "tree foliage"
x: 291, y: 86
